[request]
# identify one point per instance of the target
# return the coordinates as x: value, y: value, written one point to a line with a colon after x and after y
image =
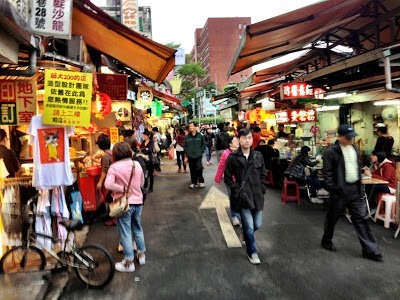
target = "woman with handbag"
x: 125, y: 178
x: 147, y: 148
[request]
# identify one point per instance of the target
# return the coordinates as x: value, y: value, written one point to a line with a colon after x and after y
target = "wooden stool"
x: 288, y: 186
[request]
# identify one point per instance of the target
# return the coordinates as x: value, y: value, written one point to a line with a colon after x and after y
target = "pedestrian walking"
x: 117, y: 180
x: 233, y: 146
x: 245, y: 175
x: 147, y: 148
x: 178, y: 143
x: 342, y: 174
x: 209, y: 139
x: 194, y: 146
x: 221, y: 140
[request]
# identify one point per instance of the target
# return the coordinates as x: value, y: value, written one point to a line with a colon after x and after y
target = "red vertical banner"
x: 17, y: 101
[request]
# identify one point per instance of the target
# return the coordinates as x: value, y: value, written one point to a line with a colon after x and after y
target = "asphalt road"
x: 187, y: 255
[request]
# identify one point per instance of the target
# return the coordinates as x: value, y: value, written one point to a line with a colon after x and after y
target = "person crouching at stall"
x: 130, y: 222
x: 296, y: 171
x: 104, y: 144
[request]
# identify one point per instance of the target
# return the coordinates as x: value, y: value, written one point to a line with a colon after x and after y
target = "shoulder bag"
x: 120, y: 205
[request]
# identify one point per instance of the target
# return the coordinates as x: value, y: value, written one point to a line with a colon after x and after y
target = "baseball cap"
x: 347, y: 130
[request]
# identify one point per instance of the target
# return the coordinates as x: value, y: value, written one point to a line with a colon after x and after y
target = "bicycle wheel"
x: 101, y: 266
x: 19, y: 259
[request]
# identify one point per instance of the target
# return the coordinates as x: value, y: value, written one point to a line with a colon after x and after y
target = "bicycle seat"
x: 70, y: 225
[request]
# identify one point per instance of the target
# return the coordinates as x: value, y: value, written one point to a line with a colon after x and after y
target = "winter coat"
x: 296, y: 168
x: 386, y: 171
x: 334, y: 171
x: 251, y: 196
x: 221, y: 140
x: 194, y: 145
x: 221, y: 166
x: 208, y: 137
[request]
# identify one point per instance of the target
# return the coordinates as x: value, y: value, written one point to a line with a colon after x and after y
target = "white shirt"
x: 50, y: 154
x: 350, y: 163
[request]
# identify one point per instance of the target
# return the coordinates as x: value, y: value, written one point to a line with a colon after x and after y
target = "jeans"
x: 314, y: 184
x: 131, y: 222
x: 234, y: 213
x: 251, y: 221
x: 208, y: 153
x: 180, y: 159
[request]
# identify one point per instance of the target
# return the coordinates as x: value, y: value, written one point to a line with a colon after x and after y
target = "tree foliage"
x: 188, y: 74
x: 172, y: 45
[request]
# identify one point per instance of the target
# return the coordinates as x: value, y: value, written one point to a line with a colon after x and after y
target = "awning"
x: 228, y: 94
x: 291, y: 31
x: 171, y: 101
x: 100, y: 31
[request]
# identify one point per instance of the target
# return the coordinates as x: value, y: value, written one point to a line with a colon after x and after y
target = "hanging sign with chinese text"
x: 52, y: 18
x: 114, y: 85
x: 302, y: 115
x: 145, y: 96
x: 296, y: 116
x: 67, y: 98
x: 17, y: 101
x: 281, y: 117
x: 296, y: 90
x: 130, y: 14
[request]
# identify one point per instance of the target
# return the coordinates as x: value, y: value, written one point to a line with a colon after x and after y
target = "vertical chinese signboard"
x: 67, y: 98
x: 17, y: 101
x: 114, y: 137
x: 52, y: 18
x: 130, y: 14
x: 114, y: 85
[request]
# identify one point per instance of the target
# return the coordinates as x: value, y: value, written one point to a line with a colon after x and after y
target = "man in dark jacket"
x: 194, y: 147
x: 221, y: 140
x: 342, y: 174
x: 248, y: 196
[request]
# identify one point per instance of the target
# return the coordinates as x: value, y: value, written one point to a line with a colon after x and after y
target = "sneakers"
x: 120, y: 266
x: 201, y: 184
x: 179, y: 170
x: 235, y: 221
x: 185, y: 171
x: 192, y: 186
x: 142, y: 258
x: 323, y: 192
x: 254, y: 259
x: 316, y: 200
x: 208, y: 163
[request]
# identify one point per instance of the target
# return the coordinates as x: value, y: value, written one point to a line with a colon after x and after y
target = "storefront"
x: 53, y: 112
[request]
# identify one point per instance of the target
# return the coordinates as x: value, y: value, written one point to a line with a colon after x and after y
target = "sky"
x: 176, y: 20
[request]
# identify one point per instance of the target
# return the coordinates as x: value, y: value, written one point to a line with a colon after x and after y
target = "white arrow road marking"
x: 218, y: 200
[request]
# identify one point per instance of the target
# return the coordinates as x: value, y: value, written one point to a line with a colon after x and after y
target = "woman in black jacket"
x: 296, y: 171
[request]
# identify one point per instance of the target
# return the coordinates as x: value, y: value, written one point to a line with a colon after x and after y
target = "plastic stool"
x: 270, y: 178
x: 389, y: 215
x: 287, y: 185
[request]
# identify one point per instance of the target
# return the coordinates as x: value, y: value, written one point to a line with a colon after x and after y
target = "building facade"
x: 215, y: 47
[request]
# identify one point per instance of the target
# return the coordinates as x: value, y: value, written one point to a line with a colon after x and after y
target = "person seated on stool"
x: 296, y: 171
x: 385, y: 171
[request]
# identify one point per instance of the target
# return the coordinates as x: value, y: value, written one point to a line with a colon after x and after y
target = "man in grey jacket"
x: 342, y: 174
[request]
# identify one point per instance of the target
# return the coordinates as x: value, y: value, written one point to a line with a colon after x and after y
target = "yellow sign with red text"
x: 114, y: 137
x: 67, y: 98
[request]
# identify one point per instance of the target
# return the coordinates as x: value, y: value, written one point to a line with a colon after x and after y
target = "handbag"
x: 120, y: 205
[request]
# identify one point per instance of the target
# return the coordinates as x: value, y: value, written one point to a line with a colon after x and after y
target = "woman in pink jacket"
x: 116, y: 181
x: 233, y: 145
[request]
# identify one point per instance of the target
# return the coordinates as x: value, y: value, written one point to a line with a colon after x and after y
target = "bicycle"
x: 92, y: 263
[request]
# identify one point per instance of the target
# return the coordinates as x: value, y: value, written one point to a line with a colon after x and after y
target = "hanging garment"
x: 51, y: 154
x: 43, y: 219
x: 60, y: 211
x: 11, y: 214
